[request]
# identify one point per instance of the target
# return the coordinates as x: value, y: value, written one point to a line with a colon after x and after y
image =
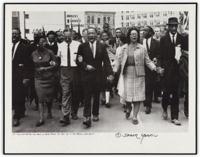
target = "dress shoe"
x: 61, y: 120
x: 176, y: 121
x: 16, y: 122
x: 127, y: 114
x: 66, y: 121
x: 87, y: 122
x: 39, y: 123
x: 74, y: 117
x: 49, y: 116
x: 95, y: 118
x: 103, y: 102
x: 148, y: 110
x: 186, y: 114
x: 124, y: 108
x: 164, y: 115
x: 135, y: 121
x: 107, y: 105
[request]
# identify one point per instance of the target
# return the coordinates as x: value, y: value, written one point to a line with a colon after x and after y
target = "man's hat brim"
x: 173, y: 23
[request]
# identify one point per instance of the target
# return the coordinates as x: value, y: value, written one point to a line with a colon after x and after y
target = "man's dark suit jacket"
x: 169, y: 63
x: 153, y: 52
x: 88, y: 59
x: 22, y: 68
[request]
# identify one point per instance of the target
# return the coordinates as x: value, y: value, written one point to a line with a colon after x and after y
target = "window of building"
x: 165, y: 13
x: 138, y: 16
x: 127, y: 11
x: 92, y: 19
x: 157, y: 14
x: 132, y: 17
x: 122, y: 17
x: 99, y: 20
x: 104, y: 19
x: 108, y: 19
x: 127, y: 17
x: 127, y: 24
x: 26, y: 16
x: 122, y: 24
x: 144, y: 15
x: 145, y: 23
x: 151, y: 15
x: 88, y: 19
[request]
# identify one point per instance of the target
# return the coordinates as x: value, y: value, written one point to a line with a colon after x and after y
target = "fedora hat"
x: 172, y: 21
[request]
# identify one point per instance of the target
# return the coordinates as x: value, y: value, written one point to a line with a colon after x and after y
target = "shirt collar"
x: 171, y: 35
x: 94, y: 43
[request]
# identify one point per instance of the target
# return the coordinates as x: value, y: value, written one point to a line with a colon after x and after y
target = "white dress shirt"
x: 16, y: 45
x: 62, y: 52
x: 171, y: 36
x: 94, y: 47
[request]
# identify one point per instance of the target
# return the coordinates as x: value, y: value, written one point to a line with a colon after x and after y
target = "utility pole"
x: 64, y: 19
x: 24, y: 25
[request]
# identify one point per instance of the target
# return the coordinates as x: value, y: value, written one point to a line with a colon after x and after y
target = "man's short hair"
x: 92, y: 28
x: 67, y: 30
x: 51, y: 32
x: 18, y: 29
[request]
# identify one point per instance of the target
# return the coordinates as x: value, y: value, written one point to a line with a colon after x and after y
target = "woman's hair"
x: 123, y: 38
x: 129, y: 33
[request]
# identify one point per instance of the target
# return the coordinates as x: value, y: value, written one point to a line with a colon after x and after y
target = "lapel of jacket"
x: 89, y: 50
x: 98, y: 46
x: 17, y: 50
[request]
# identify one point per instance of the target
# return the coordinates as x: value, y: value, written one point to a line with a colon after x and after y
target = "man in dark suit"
x: 21, y: 75
x: 170, y: 46
x: 52, y: 44
x: 90, y: 57
x: 152, y: 47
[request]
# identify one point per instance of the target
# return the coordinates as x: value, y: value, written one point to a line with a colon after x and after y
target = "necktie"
x: 92, y: 48
x: 68, y: 56
x: 147, y: 45
x: 13, y: 49
x: 173, y: 41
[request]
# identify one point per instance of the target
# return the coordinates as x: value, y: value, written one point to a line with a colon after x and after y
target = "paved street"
x: 111, y: 120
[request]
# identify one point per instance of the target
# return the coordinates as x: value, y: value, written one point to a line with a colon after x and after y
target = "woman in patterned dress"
x: 44, y: 76
x: 132, y: 63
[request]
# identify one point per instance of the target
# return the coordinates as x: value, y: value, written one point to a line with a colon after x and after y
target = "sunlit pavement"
x: 111, y: 120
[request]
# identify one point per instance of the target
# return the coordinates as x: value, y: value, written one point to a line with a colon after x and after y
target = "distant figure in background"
x: 152, y: 46
x: 106, y: 28
x: 157, y: 34
x: 51, y: 42
x: 170, y: 49
x: 45, y: 64
x: 21, y: 75
x: 84, y: 36
x: 141, y: 36
x: 117, y: 80
x: 107, y: 87
x: 59, y: 37
x: 118, y: 33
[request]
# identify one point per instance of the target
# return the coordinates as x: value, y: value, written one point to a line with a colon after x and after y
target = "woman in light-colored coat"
x: 132, y: 63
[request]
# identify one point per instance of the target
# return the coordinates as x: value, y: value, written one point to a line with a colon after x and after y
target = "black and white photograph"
x: 100, y: 78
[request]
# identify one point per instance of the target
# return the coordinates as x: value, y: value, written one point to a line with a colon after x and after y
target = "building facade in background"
x: 97, y: 19
x: 139, y: 19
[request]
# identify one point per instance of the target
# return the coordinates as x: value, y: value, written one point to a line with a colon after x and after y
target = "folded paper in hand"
x: 178, y: 52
